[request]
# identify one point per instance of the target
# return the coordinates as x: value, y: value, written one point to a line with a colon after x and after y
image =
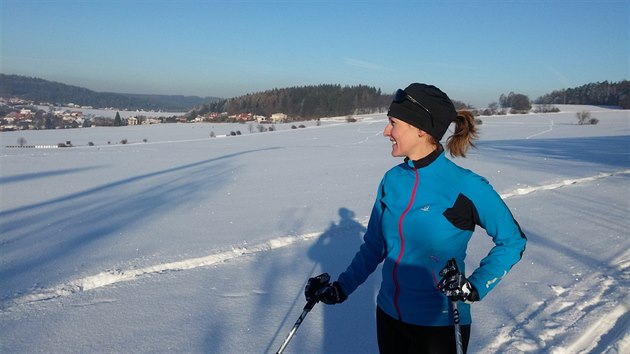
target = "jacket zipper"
x: 402, y: 243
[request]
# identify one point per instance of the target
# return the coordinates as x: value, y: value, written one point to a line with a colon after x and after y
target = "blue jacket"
x: 424, y: 214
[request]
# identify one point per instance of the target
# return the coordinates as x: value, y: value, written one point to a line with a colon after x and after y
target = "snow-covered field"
x: 186, y: 243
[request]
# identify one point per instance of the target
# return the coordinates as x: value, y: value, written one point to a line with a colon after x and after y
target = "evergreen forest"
x: 306, y: 102
x: 599, y: 93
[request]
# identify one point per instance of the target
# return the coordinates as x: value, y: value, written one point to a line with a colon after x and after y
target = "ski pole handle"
x: 452, y: 264
x: 310, y: 304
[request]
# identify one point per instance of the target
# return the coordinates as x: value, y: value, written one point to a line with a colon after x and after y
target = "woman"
x: 425, y: 212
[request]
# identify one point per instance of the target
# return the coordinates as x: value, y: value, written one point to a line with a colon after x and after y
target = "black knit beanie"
x: 434, y: 100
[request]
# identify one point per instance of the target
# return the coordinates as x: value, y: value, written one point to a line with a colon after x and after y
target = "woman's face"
x: 404, y: 137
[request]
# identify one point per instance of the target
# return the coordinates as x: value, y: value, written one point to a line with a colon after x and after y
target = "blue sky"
x: 474, y: 50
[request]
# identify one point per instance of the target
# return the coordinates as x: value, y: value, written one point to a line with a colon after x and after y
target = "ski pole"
x: 458, y: 332
x: 309, y: 305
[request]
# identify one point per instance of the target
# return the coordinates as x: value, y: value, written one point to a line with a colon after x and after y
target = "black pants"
x: 396, y: 337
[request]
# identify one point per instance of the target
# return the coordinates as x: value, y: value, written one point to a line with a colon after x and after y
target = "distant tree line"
x: 598, y: 93
x: 44, y: 91
x: 305, y: 102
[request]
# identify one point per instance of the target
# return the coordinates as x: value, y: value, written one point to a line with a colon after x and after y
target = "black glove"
x: 314, y: 284
x: 331, y: 294
x: 455, y: 285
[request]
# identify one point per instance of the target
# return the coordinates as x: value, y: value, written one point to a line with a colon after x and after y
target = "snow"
x: 186, y: 243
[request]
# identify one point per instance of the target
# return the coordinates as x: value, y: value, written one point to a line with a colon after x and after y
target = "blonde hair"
x: 464, y: 136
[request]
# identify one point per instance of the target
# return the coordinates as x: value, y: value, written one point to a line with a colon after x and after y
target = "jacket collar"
x: 427, y: 160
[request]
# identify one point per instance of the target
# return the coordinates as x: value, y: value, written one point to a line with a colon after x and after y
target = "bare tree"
x: 583, y: 117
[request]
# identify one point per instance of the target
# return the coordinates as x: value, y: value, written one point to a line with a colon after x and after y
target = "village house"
x: 279, y: 117
x: 8, y: 122
x: 149, y: 121
x: 243, y: 117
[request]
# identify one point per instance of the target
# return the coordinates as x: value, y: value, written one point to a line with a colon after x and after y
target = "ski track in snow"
x: 566, y: 182
x: 111, y: 277
x: 551, y: 123
x: 597, y: 299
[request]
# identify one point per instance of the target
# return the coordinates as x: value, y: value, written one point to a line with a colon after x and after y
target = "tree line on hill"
x: 304, y: 102
x: 51, y: 92
x: 309, y: 102
x: 598, y: 94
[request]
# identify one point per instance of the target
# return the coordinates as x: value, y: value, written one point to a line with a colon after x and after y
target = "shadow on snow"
x: 51, y: 242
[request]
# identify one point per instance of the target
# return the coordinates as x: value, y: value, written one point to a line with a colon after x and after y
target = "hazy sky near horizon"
x: 474, y: 50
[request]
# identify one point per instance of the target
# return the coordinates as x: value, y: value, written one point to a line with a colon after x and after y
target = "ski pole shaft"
x: 309, y: 305
x: 452, y: 264
x: 458, y: 332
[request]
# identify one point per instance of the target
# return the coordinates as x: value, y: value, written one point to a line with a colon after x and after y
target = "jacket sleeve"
x: 370, y: 254
x: 509, y: 240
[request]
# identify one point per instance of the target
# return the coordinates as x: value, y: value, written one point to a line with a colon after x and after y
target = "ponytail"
x: 464, y: 136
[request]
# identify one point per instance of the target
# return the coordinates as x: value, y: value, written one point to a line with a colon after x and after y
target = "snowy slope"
x: 191, y: 244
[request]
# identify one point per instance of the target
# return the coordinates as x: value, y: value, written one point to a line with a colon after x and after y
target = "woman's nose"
x: 387, y: 130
